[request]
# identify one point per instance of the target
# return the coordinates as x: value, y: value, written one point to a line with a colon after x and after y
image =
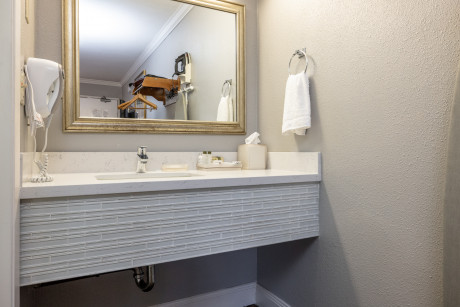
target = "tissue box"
x: 253, y: 156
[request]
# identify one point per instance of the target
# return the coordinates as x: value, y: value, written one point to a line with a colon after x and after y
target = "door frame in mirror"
x: 72, y: 122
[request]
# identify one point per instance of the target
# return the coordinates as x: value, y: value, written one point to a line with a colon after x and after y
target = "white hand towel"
x: 225, y: 109
x: 230, y: 109
x: 297, y: 112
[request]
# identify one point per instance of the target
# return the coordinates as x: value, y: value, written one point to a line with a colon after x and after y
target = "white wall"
x: 48, y: 45
x: 381, y: 100
x: 9, y: 150
x: 100, y: 90
x: 91, y: 106
x: 210, y: 38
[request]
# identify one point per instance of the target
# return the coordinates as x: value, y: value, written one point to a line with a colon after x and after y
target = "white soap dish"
x: 174, y: 167
x: 220, y: 166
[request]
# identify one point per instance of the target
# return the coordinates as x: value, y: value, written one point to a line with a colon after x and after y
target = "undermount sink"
x: 144, y: 175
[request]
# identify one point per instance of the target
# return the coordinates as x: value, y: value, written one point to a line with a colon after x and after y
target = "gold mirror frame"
x: 72, y: 122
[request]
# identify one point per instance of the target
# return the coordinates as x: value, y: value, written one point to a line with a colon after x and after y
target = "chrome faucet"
x: 142, y: 159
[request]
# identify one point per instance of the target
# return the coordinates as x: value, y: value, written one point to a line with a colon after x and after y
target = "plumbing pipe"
x: 139, y: 275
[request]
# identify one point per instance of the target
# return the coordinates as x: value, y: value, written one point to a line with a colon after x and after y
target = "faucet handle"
x: 142, y: 152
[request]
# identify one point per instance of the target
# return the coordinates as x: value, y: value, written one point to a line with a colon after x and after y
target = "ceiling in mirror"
x: 160, y: 60
x: 109, y: 47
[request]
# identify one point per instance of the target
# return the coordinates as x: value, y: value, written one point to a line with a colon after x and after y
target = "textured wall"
x: 452, y: 210
x: 48, y: 45
x: 381, y: 100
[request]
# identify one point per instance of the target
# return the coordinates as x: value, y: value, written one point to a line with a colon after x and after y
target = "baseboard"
x: 233, y: 297
x: 239, y: 296
x: 265, y: 298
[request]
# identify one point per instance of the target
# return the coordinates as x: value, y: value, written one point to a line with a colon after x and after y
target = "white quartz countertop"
x: 79, y: 184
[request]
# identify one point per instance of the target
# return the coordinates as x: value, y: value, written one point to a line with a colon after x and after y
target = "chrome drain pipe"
x: 141, y: 274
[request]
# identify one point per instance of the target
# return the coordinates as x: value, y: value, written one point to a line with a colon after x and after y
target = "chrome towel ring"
x: 300, y: 53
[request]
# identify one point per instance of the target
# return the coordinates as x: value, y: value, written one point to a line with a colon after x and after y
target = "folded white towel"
x: 225, y: 109
x: 297, y: 112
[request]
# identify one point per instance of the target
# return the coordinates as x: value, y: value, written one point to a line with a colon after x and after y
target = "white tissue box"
x: 253, y: 156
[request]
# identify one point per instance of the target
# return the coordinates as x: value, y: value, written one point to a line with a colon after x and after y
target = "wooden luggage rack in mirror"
x: 150, y: 86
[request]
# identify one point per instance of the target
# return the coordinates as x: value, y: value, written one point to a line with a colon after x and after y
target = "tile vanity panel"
x: 69, y: 237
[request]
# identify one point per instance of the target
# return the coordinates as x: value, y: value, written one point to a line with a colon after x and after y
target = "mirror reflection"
x: 157, y: 59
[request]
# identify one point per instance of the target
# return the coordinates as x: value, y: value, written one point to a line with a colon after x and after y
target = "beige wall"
x: 48, y: 45
x: 452, y: 210
x: 27, y: 50
x: 381, y: 99
x: 27, y: 31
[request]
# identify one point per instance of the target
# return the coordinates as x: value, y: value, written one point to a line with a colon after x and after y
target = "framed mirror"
x: 154, y: 66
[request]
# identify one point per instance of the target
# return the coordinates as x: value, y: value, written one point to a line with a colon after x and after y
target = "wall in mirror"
x: 151, y: 38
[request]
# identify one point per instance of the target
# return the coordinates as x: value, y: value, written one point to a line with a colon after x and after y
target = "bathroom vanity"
x: 78, y: 225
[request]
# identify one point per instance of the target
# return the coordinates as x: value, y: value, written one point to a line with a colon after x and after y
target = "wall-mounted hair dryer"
x: 43, y: 91
x: 45, y: 83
